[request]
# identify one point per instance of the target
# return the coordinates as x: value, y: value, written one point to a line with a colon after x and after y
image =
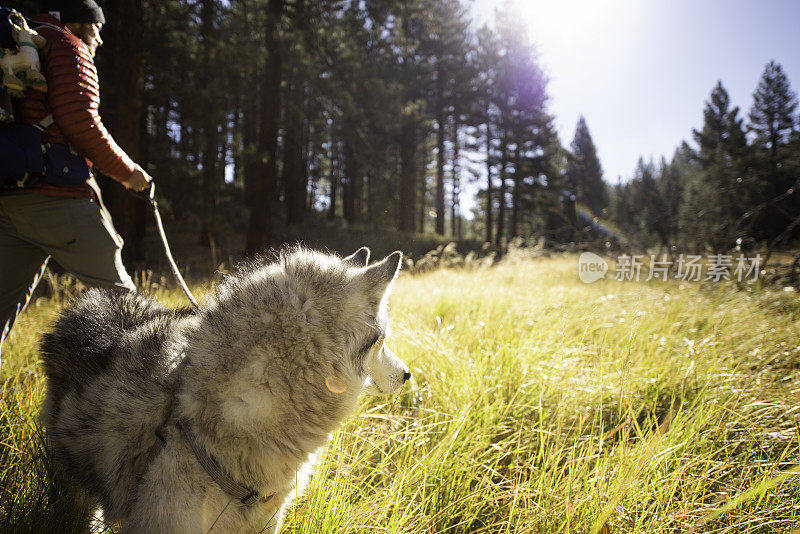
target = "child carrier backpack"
x: 24, y: 158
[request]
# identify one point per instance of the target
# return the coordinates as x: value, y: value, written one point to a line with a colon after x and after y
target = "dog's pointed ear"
x: 359, y: 258
x: 385, y: 271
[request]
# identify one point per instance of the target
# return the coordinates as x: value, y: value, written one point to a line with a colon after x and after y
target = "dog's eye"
x: 371, y: 343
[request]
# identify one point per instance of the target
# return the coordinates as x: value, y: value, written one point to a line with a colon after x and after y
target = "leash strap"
x: 244, y: 494
x: 150, y: 197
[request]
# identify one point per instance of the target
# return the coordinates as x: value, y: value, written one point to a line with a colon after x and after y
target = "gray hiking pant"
x: 76, y: 232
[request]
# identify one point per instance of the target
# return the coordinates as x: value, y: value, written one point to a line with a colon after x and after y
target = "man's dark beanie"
x: 74, y: 10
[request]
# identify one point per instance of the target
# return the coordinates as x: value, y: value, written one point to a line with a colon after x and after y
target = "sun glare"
x: 568, y: 27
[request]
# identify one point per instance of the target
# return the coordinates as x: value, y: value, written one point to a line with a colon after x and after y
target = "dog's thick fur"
x: 264, y: 372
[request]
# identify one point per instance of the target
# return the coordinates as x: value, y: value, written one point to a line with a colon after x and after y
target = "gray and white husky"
x: 209, y: 420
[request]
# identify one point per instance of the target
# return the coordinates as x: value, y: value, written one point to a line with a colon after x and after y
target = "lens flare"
x: 335, y: 385
x: 584, y: 213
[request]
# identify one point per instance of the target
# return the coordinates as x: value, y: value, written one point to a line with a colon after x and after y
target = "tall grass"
x: 538, y: 404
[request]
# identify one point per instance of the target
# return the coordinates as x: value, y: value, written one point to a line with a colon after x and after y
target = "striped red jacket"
x: 73, y: 97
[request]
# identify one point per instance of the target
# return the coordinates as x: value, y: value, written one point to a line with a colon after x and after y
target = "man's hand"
x: 139, y: 180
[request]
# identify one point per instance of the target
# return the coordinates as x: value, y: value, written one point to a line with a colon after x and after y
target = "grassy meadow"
x: 538, y: 404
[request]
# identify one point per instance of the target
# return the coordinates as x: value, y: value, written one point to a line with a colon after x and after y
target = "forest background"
x: 337, y: 121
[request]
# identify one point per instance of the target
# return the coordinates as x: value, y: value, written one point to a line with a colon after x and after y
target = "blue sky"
x: 640, y: 71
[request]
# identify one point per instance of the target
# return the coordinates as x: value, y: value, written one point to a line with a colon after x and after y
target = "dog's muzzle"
x: 387, y: 373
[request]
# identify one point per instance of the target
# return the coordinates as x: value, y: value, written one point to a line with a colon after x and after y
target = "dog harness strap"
x: 217, y: 473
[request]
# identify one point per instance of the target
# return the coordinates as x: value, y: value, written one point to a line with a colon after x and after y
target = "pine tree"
x: 584, y: 173
x: 713, y: 197
x: 774, y: 105
x: 670, y: 189
x: 646, y: 197
x: 772, y: 120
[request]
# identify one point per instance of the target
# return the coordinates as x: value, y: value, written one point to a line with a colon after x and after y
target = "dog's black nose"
x: 406, y: 376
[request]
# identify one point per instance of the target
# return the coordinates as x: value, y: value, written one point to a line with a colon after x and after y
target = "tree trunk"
x: 489, y: 193
x: 441, y: 119
x: 334, y: 176
x: 210, y: 187
x: 295, y: 176
x: 352, y: 169
x: 423, y: 189
x: 456, y: 200
x: 515, y: 192
x: 249, y: 144
x: 408, y: 174
x: 295, y: 173
x: 210, y: 150
x: 501, y: 209
x: 369, y: 196
x: 259, y: 229
x: 125, y: 104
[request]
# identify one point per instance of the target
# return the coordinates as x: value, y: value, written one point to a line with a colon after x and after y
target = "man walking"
x: 60, y: 216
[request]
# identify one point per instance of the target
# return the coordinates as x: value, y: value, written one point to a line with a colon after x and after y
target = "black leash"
x: 149, y: 195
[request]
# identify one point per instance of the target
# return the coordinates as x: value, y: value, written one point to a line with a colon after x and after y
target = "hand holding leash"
x: 139, y: 180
